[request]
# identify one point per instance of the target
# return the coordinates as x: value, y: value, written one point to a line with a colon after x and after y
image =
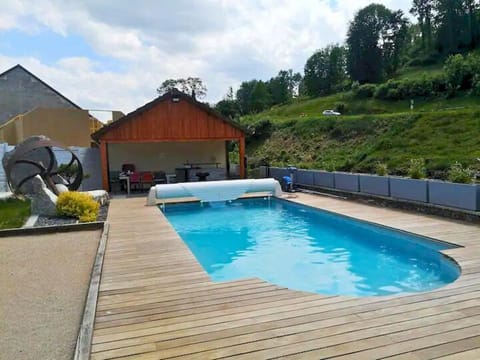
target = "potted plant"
x: 413, y: 188
x: 278, y: 173
x: 347, y: 181
x: 459, y: 192
x: 304, y: 177
x: 376, y: 184
x: 324, y: 178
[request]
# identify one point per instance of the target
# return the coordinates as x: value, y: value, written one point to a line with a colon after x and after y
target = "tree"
x: 472, y: 8
x: 230, y: 95
x: 325, y: 70
x: 452, y: 20
x: 191, y: 85
x: 244, y: 96
x: 278, y: 89
x: 423, y: 9
x: 394, y: 41
x: 260, y: 97
x: 229, y: 106
x: 376, y: 38
x: 283, y: 87
x: 445, y: 21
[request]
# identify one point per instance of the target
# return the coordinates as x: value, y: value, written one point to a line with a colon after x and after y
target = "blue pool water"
x: 302, y: 248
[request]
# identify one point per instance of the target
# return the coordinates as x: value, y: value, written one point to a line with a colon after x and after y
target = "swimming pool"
x: 306, y: 249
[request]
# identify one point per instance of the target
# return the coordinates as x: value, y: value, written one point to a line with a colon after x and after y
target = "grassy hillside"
x: 358, y: 143
x: 371, y: 130
x: 314, y: 107
x: 417, y: 71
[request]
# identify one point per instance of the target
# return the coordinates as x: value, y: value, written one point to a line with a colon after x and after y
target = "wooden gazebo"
x: 167, y: 132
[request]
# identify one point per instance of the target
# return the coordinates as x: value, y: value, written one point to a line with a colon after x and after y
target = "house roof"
x: 18, y: 66
x: 167, y: 96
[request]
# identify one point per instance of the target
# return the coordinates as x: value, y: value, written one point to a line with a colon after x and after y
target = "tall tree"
x: 244, y: 96
x: 451, y: 23
x: 375, y: 38
x: 278, y: 89
x: 324, y: 70
x: 260, y: 97
x: 192, y: 85
x: 423, y: 10
x: 229, y: 106
x: 394, y: 38
x: 472, y: 8
x: 284, y: 86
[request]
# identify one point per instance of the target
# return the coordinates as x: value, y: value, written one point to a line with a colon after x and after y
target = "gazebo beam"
x: 104, y: 162
x: 241, y: 154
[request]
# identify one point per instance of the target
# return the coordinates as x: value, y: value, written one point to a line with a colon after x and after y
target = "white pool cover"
x: 211, y: 191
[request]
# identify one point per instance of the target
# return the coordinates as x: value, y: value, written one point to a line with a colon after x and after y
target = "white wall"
x: 165, y: 156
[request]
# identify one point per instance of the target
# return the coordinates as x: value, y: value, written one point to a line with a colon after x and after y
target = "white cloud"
x: 224, y: 42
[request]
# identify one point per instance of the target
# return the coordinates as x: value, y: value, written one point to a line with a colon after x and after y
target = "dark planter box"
x: 409, y: 189
x: 303, y: 177
x: 463, y: 196
x: 347, y: 182
x: 374, y: 184
x: 262, y: 172
x: 324, y: 179
x: 278, y: 173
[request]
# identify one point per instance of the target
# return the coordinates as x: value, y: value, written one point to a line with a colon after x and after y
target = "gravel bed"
x: 62, y: 220
x: 103, y: 212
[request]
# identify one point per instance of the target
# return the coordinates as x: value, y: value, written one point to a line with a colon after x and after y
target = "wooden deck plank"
x: 156, y: 301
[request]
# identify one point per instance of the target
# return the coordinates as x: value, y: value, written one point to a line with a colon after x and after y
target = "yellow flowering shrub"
x: 77, y: 204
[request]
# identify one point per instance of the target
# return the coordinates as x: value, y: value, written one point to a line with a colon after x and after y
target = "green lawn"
x: 418, y: 71
x: 13, y: 213
x: 313, y: 108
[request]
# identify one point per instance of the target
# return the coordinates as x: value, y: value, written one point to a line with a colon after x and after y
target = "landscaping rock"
x: 43, y: 200
x: 101, y: 196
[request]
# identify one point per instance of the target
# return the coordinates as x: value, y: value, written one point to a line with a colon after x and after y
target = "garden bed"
x: 63, y: 220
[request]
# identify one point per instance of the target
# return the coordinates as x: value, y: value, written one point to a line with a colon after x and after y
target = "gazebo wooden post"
x: 104, y: 162
x: 241, y: 154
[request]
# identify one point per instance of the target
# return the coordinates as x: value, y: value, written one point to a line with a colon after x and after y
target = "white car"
x: 331, y: 112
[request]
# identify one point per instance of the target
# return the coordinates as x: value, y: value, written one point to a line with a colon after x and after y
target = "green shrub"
x: 381, y: 169
x: 354, y: 85
x: 416, y: 168
x: 425, y: 59
x: 424, y: 86
x: 461, y: 70
x: 439, y: 83
x: 364, y: 91
x: 459, y: 174
x: 381, y: 91
x: 340, y: 107
x: 475, y: 85
x: 262, y: 128
x: 79, y: 205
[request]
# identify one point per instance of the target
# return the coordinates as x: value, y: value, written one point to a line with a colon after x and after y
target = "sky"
x: 113, y: 54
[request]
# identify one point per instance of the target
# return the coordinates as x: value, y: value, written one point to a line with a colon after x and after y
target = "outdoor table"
x: 170, y: 178
x: 127, y: 178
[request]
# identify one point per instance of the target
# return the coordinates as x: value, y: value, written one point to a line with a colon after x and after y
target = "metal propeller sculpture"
x: 35, y: 156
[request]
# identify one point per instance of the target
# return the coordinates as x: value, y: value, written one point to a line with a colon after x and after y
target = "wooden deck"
x: 156, y: 301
